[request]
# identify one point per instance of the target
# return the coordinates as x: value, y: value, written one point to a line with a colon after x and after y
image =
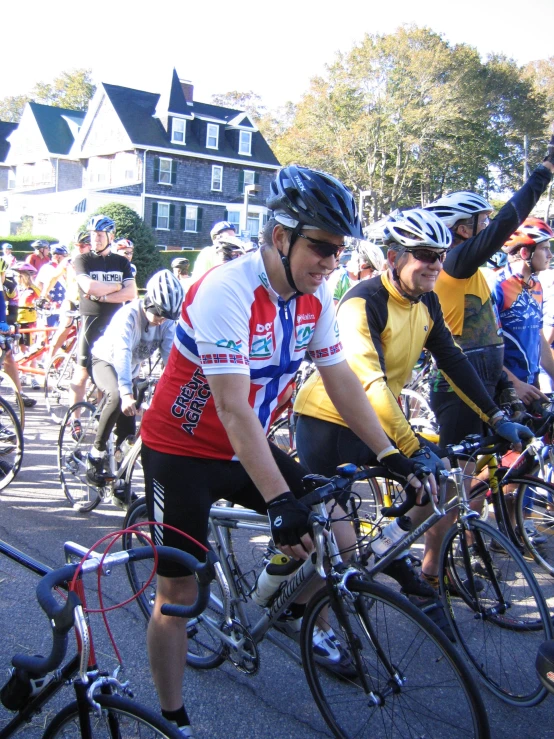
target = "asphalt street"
x: 223, y: 704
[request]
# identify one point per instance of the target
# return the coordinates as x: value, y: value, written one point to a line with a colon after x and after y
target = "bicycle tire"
x: 280, y: 434
x: 385, y: 626
x: 57, y: 386
x: 11, y: 444
x: 538, y: 494
x: 204, y: 651
x: 487, y: 631
x: 72, y: 455
x: 125, y: 718
x: 10, y: 393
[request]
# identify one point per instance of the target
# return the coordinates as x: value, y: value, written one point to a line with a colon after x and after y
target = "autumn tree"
x: 71, y: 90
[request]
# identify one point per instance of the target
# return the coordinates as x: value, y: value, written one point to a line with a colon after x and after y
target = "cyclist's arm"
x: 463, y: 260
x: 168, y: 329
x: 96, y: 288
x: 125, y: 326
x: 247, y: 437
x: 128, y: 292
x: 347, y: 395
x: 547, y: 360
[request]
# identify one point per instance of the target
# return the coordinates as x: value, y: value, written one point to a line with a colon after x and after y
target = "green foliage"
x: 167, y: 257
x: 24, y: 241
x: 71, y: 90
x: 248, y: 101
x: 408, y: 117
x: 129, y: 225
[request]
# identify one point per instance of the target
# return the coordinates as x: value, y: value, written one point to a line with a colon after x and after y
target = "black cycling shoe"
x: 408, y: 579
x: 121, y: 497
x: 27, y: 401
x: 434, y: 609
x: 95, y: 472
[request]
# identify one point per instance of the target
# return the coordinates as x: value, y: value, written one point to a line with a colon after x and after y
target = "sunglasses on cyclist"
x: 323, y: 249
x: 429, y: 256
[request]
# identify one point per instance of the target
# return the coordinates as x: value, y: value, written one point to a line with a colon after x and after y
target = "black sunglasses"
x: 323, y: 249
x: 427, y: 255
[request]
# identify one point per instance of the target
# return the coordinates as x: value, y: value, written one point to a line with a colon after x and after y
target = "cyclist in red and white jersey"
x: 244, y: 330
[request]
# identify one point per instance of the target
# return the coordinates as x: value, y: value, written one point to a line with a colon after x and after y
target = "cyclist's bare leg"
x: 167, y: 640
x: 58, y: 340
x: 11, y: 370
x: 77, y: 386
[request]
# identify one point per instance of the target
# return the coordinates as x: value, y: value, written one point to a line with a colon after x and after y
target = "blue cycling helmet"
x: 101, y: 223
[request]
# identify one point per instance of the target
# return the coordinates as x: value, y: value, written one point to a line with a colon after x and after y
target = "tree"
x: 129, y: 225
x: 541, y: 74
x: 71, y: 90
x: 248, y: 101
x: 408, y: 116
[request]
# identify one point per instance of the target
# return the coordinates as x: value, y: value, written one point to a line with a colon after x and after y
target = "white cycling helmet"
x: 416, y: 228
x: 370, y: 253
x: 457, y: 206
x: 164, y: 295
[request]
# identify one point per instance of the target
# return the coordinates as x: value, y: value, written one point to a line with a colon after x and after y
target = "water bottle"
x: 126, y: 444
x: 279, y: 569
x: 391, y: 535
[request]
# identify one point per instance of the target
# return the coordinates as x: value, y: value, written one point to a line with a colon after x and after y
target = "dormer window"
x: 245, y: 142
x: 212, y: 136
x: 178, y: 129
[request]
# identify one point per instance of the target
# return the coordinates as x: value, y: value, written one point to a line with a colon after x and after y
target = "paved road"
x: 224, y: 704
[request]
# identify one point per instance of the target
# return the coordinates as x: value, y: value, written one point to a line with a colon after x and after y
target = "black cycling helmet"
x: 306, y: 197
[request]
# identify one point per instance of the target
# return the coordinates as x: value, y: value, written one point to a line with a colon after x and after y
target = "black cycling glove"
x: 429, y: 458
x: 288, y: 518
x: 512, y: 432
x: 403, y: 467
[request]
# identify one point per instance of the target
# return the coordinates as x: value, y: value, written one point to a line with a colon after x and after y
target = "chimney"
x: 188, y: 89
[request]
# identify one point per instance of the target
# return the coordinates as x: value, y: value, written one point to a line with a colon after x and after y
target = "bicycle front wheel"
x: 496, y: 610
x: 377, y: 666
x: 535, y: 518
x: 139, y: 572
x: 10, y: 393
x: 120, y: 717
x: 11, y: 444
x: 76, y: 437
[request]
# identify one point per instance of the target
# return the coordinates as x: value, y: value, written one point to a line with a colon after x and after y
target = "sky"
x: 273, y: 49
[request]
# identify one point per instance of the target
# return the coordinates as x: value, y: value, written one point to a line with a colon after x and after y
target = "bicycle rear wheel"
x: 496, y: 610
x: 10, y: 393
x: 74, y: 443
x: 377, y: 666
x: 56, y: 386
x: 138, y: 573
x: 535, y: 519
x: 11, y: 444
x: 120, y: 717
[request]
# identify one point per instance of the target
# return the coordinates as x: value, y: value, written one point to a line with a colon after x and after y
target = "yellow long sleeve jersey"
x: 383, y: 334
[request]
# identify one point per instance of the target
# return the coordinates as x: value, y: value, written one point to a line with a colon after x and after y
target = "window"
x: 165, y: 171
x: 212, y: 136
x: 233, y: 216
x: 163, y: 216
x: 98, y: 170
x: 217, y: 178
x: 248, y: 177
x: 245, y: 142
x: 178, y: 129
x: 190, y: 218
x: 11, y: 179
x: 253, y: 224
x: 125, y: 167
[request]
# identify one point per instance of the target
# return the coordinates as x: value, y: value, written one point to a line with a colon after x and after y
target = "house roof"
x: 5, y: 129
x: 54, y: 127
x: 136, y: 110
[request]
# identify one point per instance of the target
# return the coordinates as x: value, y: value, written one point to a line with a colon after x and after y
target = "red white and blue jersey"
x: 233, y: 322
x: 519, y: 306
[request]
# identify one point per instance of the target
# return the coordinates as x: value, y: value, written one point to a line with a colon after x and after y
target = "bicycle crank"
x: 242, y: 651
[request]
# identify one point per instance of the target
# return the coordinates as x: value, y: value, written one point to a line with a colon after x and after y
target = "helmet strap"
x: 285, y: 260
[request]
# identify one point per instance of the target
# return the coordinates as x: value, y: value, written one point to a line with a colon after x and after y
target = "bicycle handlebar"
x: 61, y: 615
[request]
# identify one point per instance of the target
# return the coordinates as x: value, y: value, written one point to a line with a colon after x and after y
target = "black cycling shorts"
x: 92, y: 328
x: 181, y: 490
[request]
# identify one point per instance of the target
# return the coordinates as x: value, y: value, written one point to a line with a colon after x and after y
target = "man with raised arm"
x: 243, y: 333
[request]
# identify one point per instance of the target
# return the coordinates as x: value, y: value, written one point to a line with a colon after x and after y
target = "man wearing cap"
x: 52, y: 293
x: 209, y: 257
x: 41, y: 254
x: 7, y: 254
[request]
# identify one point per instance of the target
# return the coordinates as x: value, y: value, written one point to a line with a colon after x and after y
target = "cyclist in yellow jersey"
x: 384, y: 324
x: 209, y: 256
x: 465, y: 295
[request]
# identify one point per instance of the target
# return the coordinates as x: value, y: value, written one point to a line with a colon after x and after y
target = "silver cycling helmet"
x: 370, y: 253
x: 458, y: 206
x: 164, y: 295
x: 416, y: 228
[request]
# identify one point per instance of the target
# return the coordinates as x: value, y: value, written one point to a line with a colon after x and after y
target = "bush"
x: 129, y: 225
x: 23, y: 242
x: 168, y: 256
